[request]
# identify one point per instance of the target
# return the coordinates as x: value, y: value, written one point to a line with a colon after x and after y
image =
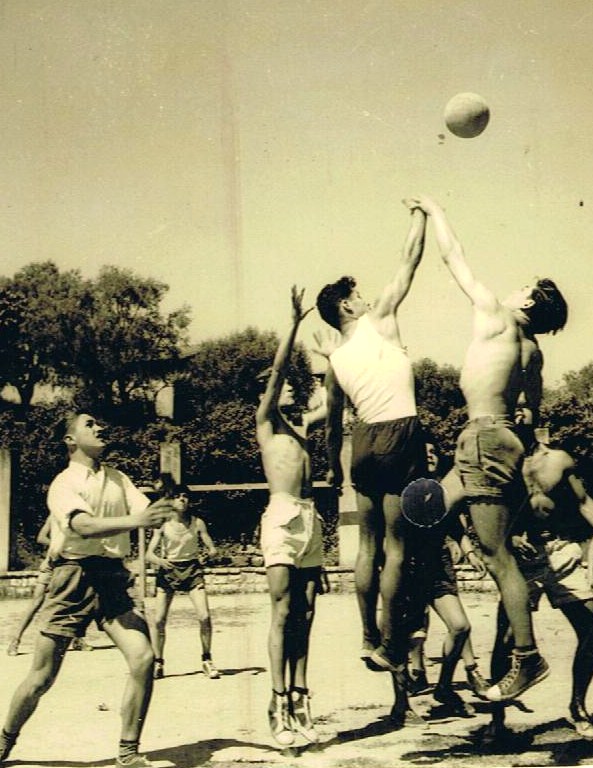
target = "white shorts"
x: 557, y: 572
x: 291, y: 532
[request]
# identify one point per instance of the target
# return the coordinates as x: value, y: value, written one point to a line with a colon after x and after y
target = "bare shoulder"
x: 561, y: 459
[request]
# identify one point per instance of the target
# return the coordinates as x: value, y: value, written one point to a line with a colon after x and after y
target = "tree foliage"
x: 103, y: 337
x: 40, y: 308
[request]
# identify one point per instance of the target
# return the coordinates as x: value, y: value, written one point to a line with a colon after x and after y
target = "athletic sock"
x: 525, y: 650
x: 207, y: 657
x: 128, y: 748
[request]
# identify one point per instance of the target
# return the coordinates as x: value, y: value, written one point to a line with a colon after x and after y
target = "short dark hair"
x: 549, y: 311
x: 329, y: 298
x: 64, y: 424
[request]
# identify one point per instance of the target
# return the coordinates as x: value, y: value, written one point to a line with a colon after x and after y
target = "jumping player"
x: 503, y: 361
x: 371, y: 367
x: 291, y: 543
x: 180, y: 570
x: 93, y: 508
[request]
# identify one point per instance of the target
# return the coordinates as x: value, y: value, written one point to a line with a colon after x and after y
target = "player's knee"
x: 40, y: 682
x: 460, y: 631
x: 142, y: 662
x: 280, y: 611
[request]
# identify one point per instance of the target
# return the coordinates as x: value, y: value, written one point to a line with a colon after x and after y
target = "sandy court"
x: 194, y: 721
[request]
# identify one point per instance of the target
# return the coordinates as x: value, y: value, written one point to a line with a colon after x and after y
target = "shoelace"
x: 510, y: 676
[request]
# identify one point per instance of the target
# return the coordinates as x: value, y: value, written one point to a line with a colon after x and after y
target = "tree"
x: 229, y: 369
x: 125, y: 340
x: 40, y: 308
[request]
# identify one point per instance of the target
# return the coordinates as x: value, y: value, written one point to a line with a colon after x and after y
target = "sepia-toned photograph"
x: 296, y: 387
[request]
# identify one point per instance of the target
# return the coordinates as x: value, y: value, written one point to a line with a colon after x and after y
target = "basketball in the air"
x: 466, y: 115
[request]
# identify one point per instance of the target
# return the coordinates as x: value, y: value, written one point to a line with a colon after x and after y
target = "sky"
x: 233, y: 148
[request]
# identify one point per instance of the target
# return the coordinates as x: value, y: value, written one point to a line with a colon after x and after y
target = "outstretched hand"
x: 296, y: 296
x: 327, y: 340
x: 420, y: 202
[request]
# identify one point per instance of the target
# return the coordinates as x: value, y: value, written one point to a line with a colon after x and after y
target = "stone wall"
x: 227, y: 580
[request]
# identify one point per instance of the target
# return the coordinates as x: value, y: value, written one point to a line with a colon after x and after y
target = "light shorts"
x: 488, y: 459
x: 557, y: 572
x: 291, y: 532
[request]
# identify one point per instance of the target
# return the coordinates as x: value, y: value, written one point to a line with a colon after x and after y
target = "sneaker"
x: 7, y: 742
x: 527, y: 669
x: 159, y: 669
x: 13, y: 648
x: 80, y: 644
x: 365, y: 655
x: 477, y: 682
x: 581, y: 721
x: 379, y: 661
x: 400, y: 718
x: 209, y: 669
x: 417, y: 683
x: 279, y: 719
x: 300, y: 715
x: 135, y: 761
x: 452, y: 702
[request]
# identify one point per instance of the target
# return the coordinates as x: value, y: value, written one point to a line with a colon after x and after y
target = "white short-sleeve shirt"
x: 105, y: 493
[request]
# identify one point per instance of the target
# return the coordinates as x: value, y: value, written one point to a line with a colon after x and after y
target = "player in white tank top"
x: 371, y: 367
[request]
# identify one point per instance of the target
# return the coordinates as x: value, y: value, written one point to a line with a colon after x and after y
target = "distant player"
x: 503, y: 360
x: 180, y: 569
x: 372, y: 368
x: 291, y: 542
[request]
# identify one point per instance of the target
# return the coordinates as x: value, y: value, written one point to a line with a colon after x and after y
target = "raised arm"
x: 452, y: 254
x: 397, y: 290
x: 269, y: 401
x: 334, y: 428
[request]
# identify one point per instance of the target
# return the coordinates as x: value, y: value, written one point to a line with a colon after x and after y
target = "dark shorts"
x: 388, y: 455
x: 488, y: 459
x: 185, y: 576
x: 424, y: 581
x: 79, y: 591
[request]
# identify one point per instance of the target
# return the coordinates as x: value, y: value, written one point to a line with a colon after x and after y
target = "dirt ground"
x: 194, y: 721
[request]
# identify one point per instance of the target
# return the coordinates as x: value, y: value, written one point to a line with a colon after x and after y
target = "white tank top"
x: 375, y: 374
x: 179, y: 543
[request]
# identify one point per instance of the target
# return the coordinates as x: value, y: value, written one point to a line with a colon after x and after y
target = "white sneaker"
x: 210, y: 670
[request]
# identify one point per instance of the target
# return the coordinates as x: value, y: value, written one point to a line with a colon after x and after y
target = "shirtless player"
x: 291, y: 542
x: 503, y: 360
x: 556, y: 518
